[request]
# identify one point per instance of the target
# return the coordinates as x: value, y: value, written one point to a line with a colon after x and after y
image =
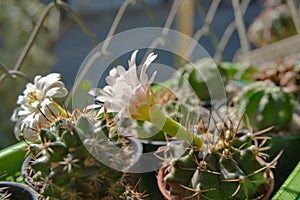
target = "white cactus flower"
x: 129, y: 95
x: 37, y: 105
x: 127, y: 91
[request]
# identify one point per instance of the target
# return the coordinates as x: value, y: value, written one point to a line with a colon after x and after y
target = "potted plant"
x: 72, y: 154
x: 230, y: 165
x: 64, y: 164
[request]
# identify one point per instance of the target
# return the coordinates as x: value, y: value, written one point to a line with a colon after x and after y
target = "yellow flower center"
x: 32, y: 97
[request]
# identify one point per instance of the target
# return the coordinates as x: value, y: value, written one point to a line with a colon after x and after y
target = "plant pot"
x: 164, y: 187
x: 19, y: 191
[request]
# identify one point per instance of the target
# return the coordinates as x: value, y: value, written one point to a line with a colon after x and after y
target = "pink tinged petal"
x: 150, y: 58
x: 152, y: 77
x: 121, y: 70
x: 132, y: 61
x: 113, y: 72
x: 110, y: 80
x: 132, y: 76
x: 104, y: 93
x: 123, y: 114
x: 126, y: 94
x: 103, y: 98
x: 107, y: 90
x: 113, y: 106
x: 95, y: 91
x: 143, y: 76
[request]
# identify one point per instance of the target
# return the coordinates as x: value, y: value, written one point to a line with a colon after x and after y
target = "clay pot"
x: 19, y: 191
x: 265, y: 190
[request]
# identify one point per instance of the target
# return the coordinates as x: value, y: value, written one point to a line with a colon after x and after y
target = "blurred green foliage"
x: 17, y: 20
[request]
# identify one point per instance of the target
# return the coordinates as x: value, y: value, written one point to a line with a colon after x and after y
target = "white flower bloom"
x: 36, y: 104
x: 127, y: 91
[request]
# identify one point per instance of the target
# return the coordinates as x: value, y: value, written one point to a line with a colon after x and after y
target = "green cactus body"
x: 226, y: 169
x: 266, y: 105
x: 204, y: 79
x: 64, y: 169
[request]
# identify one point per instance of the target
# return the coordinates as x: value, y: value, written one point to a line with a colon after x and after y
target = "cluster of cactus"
x: 62, y: 167
x: 265, y: 105
x: 228, y: 166
x: 284, y: 73
x: 273, y: 24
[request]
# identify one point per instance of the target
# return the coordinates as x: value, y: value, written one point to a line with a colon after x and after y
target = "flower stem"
x: 172, y: 127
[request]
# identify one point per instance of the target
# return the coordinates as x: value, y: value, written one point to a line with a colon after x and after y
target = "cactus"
x: 227, y: 167
x: 284, y: 72
x: 273, y: 24
x: 203, y: 78
x: 63, y: 167
x: 266, y: 105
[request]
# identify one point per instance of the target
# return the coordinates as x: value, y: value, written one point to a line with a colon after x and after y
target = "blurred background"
x: 228, y: 30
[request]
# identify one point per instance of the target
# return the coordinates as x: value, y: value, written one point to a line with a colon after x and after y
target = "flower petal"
x: 132, y: 61
x: 56, y: 92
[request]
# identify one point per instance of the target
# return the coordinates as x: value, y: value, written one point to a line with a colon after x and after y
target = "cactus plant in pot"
x: 229, y: 165
x: 72, y: 155
x: 65, y: 165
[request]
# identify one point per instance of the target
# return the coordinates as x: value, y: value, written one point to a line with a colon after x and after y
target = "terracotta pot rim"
x: 24, y: 190
x: 161, y: 183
